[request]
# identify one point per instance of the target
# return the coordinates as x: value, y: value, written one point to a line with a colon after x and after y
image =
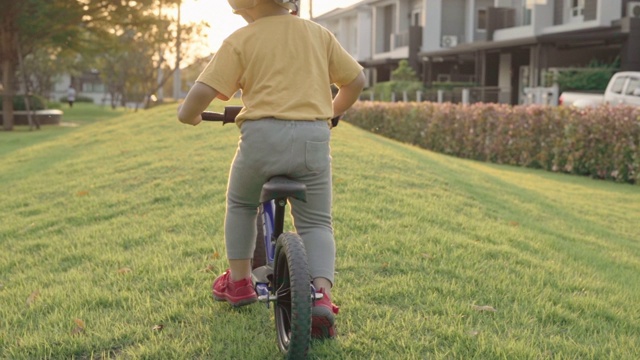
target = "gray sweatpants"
x: 300, y: 151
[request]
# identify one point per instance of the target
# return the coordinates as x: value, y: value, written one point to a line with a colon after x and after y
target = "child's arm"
x: 348, y: 94
x: 197, y: 100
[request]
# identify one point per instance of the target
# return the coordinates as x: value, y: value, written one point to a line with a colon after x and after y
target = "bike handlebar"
x: 230, y: 113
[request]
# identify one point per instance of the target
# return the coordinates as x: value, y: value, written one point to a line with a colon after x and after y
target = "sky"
x: 223, y: 22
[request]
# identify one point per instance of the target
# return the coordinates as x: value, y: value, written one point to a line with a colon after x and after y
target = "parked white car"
x: 623, y: 89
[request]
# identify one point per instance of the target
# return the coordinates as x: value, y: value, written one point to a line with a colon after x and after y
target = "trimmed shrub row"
x: 603, y: 142
x: 35, y: 103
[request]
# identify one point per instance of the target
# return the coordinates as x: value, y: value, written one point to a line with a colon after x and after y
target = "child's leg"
x: 312, y: 219
x: 243, y: 193
x: 313, y: 223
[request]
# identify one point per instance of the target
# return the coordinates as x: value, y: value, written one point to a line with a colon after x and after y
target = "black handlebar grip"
x: 212, y: 116
x: 335, y: 120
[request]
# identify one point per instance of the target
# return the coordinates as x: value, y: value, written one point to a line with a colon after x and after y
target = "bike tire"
x: 260, y: 253
x: 293, y: 290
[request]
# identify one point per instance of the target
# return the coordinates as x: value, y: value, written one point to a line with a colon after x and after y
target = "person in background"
x: 71, y: 95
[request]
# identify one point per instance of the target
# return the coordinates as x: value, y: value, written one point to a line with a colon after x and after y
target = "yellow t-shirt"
x: 284, y: 66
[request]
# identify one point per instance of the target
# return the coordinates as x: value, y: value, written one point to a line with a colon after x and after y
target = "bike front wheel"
x: 291, y: 282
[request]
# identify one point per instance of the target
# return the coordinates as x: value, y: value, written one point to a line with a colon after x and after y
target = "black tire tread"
x: 296, y: 258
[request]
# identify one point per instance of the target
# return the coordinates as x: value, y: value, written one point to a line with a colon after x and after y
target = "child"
x: 284, y: 66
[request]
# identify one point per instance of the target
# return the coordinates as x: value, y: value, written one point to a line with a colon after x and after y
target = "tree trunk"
x: 8, y: 67
x: 7, y: 95
x: 27, y: 93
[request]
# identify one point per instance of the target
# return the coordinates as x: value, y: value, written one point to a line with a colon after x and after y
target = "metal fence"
x: 455, y: 95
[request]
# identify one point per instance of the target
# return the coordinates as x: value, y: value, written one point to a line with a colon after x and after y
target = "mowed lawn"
x: 112, y: 232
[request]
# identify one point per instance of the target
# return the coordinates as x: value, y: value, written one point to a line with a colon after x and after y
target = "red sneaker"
x: 323, y: 317
x: 236, y: 293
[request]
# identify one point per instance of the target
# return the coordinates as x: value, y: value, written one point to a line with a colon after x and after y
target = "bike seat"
x: 280, y: 187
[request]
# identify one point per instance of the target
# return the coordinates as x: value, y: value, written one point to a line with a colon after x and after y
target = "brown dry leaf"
x: 216, y: 255
x: 209, y: 268
x: 82, y: 193
x: 124, y: 270
x: 385, y: 265
x: 158, y: 327
x: 484, y: 308
x: 514, y: 223
x: 32, y: 298
x: 79, y: 329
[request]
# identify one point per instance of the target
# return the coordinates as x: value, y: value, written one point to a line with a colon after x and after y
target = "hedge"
x: 35, y: 103
x: 603, y: 142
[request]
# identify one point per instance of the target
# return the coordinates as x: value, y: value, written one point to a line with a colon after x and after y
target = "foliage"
x: 586, y: 80
x: 450, y: 85
x: 43, y: 64
x: 95, y: 34
x: 114, y: 232
x: 603, y: 143
x: 404, y: 72
x: 383, y: 90
x: 595, y: 77
x: 35, y: 103
x: 403, y: 80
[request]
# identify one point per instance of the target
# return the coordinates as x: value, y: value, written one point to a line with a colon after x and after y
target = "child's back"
x: 284, y: 66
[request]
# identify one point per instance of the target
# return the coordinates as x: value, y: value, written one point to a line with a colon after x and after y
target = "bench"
x: 44, y: 117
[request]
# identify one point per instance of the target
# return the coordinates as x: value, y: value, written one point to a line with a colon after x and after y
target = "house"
x: 501, y: 45
x: 377, y: 36
x: 87, y: 85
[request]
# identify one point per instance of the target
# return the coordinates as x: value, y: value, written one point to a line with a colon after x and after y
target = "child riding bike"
x: 284, y: 66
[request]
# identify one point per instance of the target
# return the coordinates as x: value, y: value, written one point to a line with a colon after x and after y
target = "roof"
x: 572, y: 38
x: 337, y: 12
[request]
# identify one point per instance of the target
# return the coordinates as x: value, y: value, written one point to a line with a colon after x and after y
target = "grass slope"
x: 114, y: 229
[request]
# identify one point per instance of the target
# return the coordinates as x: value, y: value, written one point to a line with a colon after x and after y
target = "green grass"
x: 118, y: 223
x: 80, y: 114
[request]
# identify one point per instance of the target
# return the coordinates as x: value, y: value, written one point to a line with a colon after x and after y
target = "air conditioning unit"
x: 633, y: 9
x: 449, y: 41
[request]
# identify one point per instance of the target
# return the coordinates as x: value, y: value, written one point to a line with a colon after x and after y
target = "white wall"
x: 432, y: 31
x: 504, y: 78
x: 365, y: 30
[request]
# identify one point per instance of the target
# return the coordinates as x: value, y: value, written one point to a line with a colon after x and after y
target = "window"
x: 577, y: 8
x: 92, y: 87
x: 482, y: 20
x: 634, y: 84
x: 415, y: 18
x: 527, y: 11
x: 618, y: 85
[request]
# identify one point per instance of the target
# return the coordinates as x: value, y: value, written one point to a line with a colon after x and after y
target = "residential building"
x: 377, y: 36
x: 504, y: 45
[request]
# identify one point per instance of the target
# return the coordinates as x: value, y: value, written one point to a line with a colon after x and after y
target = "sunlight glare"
x: 217, y: 13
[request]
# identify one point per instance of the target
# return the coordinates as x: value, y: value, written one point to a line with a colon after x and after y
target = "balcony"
x: 512, y: 24
x: 399, y: 40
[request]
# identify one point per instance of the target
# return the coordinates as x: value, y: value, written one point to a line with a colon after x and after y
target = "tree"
x: 25, y: 25
x: 8, y: 56
x: 90, y: 28
x: 404, y: 72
